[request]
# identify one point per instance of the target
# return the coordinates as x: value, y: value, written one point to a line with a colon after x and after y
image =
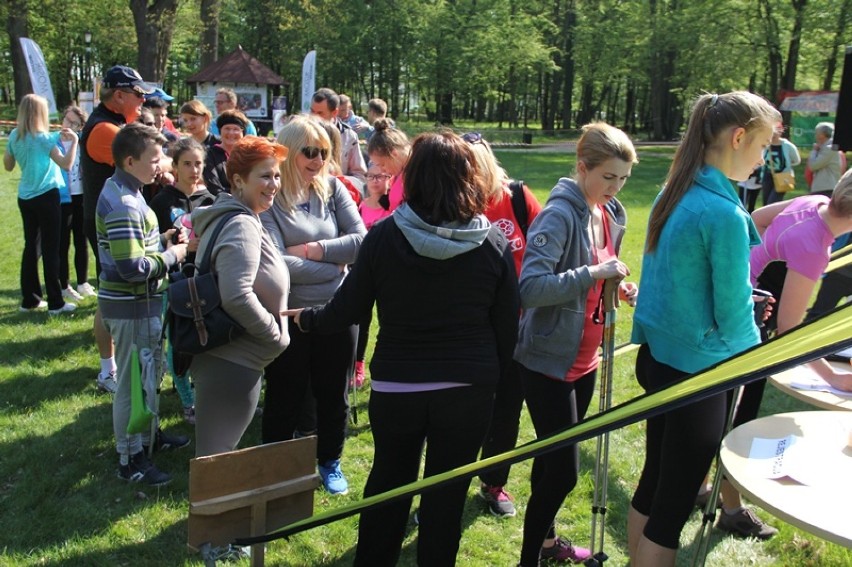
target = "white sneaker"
x: 107, y: 383
x: 70, y: 294
x: 86, y: 290
x: 66, y: 308
x: 41, y: 305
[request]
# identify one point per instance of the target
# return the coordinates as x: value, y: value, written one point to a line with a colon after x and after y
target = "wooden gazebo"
x: 258, y: 88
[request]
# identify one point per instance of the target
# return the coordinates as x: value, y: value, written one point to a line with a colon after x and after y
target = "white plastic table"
x: 823, y: 508
x: 824, y: 400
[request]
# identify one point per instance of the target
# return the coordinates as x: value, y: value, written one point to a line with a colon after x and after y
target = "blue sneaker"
x: 333, y: 479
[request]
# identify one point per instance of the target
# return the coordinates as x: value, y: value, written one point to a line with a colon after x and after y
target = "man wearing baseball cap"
x: 122, y: 94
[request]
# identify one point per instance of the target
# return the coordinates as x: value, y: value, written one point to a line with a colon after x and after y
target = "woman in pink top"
x: 797, y: 237
x: 389, y: 148
x: 373, y: 208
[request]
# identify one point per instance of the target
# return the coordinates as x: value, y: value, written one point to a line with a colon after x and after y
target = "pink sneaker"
x: 358, y: 381
x: 564, y: 552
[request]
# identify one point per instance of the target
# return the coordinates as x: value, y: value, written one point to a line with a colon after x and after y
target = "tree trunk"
x: 587, y: 110
x: 154, y: 25
x: 630, y: 108
x: 773, y: 47
x: 568, y: 64
x: 17, y: 27
x: 789, y: 81
x: 209, y: 31
x: 839, y: 34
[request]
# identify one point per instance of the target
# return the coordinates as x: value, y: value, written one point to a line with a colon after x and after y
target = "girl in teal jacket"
x: 695, y: 308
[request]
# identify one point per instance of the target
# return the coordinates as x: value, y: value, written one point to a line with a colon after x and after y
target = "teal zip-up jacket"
x: 695, y: 307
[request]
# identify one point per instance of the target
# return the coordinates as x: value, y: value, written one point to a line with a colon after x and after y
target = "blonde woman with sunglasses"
x: 316, y: 226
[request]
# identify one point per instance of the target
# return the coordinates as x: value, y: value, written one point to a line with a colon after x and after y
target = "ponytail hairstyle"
x: 386, y: 138
x: 601, y: 142
x: 711, y: 115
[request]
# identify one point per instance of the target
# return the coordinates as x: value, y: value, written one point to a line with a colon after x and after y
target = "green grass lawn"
x: 61, y: 503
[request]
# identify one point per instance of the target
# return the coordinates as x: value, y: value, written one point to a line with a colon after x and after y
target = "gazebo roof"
x: 237, y: 67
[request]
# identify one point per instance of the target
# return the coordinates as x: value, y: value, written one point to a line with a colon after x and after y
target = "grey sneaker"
x: 499, y: 501
x: 166, y: 442
x: 107, y: 383
x: 140, y: 469
x: 745, y: 523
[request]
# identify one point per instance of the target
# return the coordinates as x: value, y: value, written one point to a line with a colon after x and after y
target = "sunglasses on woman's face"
x: 311, y: 152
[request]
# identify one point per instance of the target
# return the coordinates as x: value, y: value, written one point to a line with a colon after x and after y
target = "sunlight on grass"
x: 61, y: 503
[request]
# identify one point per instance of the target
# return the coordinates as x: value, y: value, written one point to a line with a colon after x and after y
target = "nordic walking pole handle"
x: 610, y: 294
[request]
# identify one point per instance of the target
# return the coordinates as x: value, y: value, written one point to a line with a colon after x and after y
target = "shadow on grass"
x: 157, y: 551
x: 67, y: 480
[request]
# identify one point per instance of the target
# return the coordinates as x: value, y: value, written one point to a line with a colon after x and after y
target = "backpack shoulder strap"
x: 205, y: 260
x: 519, y: 205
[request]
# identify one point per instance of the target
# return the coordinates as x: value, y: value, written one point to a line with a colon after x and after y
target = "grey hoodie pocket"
x: 561, y: 332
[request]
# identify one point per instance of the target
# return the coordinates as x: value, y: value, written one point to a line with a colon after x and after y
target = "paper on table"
x: 807, y: 379
x: 769, y: 458
x: 817, y: 462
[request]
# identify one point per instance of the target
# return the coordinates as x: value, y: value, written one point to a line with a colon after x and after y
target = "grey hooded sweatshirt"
x: 555, y: 279
x: 253, y: 281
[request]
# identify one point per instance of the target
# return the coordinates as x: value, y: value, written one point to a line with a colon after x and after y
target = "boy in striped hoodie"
x: 134, y: 261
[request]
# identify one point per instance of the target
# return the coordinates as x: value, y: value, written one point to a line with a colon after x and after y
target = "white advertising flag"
x: 37, y: 68
x: 309, y: 76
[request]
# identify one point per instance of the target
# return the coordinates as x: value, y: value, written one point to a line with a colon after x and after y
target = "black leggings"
x: 321, y: 364
x: 72, y: 225
x: 771, y: 280
x: 554, y: 405
x: 679, y: 448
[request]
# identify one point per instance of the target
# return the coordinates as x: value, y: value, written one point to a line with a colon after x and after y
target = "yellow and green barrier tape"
x: 816, y: 339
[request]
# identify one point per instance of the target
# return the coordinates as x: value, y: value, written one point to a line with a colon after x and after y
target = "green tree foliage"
x: 555, y: 63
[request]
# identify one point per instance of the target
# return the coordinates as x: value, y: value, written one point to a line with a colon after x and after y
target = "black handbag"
x: 197, y: 323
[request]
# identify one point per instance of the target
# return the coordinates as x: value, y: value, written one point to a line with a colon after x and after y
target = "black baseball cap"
x: 121, y: 77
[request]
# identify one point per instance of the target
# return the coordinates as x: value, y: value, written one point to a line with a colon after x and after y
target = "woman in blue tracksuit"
x: 695, y: 309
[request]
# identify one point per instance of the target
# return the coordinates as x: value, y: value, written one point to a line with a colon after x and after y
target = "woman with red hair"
x: 254, y: 291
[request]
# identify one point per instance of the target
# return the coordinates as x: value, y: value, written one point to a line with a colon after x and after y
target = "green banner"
x: 802, y: 128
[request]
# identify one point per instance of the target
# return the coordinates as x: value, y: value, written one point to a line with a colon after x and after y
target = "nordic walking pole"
x: 353, y: 404
x: 610, y: 303
x: 702, y: 537
x: 762, y: 301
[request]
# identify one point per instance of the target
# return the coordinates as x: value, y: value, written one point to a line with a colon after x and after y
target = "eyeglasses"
x: 311, y: 152
x: 473, y: 138
x: 149, y: 123
x: 226, y: 101
x: 378, y: 177
x: 133, y: 92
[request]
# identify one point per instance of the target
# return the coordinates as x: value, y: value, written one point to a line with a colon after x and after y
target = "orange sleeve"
x: 99, y: 142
